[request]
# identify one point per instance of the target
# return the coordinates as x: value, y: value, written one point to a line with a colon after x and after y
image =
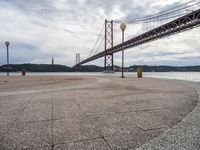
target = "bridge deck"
x: 181, y: 24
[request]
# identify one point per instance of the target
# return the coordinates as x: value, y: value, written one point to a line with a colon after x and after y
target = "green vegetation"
x: 146, y: 68
x: 89, y: 68
x: 49, y: 68
x: 36, y: 68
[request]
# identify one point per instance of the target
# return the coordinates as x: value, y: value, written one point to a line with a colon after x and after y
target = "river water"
x: 189, y: 76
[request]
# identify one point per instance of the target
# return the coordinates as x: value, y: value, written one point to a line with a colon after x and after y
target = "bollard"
x: 23, y: 72
x: 139, y: 72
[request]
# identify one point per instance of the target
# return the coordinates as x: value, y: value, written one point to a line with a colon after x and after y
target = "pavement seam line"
x: 90, y: 139
x: 52, y: 144
x: 12, y: 124
x: 84, y: 112
x: 100, y: 133
x: 106, y: 142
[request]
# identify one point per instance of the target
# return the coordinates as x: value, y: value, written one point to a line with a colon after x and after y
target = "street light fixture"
x: 123, y: 27
x: 7, y: 43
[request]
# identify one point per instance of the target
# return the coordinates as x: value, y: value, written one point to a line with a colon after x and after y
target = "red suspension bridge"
x: 172, y: 21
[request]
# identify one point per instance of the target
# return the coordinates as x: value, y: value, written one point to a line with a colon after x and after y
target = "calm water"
x: 189, y: 76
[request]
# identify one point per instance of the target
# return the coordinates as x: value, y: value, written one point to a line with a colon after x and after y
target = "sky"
x: 41, y: 29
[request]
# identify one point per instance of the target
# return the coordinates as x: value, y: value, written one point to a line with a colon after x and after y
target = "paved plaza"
x: 98, y: 113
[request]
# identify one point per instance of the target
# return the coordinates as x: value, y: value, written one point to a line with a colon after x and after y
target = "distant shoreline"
x: 186, y: 76
x: 93, y: 68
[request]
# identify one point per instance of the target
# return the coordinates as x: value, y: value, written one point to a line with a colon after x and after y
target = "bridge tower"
x: 108, y: 59
x: 78, y: 58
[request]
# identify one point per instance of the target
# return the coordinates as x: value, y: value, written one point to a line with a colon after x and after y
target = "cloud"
x: 41, y: 29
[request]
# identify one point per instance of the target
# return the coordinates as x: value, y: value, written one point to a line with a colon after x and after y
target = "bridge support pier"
x: 108, y: 59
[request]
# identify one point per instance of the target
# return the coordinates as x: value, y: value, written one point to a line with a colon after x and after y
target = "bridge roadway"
x: 181, y: 24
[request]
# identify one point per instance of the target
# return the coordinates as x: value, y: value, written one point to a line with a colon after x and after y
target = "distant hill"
x: 93, y: 68
x: 37, y: 68
x: 89, y: 68
x: 146, y: 68
x: 49, y: 68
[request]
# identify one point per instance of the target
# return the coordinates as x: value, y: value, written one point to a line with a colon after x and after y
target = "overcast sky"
x: 41, y: 29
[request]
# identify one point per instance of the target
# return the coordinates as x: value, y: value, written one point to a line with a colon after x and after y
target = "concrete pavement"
x: 64, y: 112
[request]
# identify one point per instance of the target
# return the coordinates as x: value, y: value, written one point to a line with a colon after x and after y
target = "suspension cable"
x: 163, y: 13
x: 99, y: 46
x: 99, y: 35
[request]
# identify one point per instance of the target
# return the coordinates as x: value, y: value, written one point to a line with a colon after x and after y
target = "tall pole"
x: 7, y: 46
x: 123, y: 55
x: 112, y: 68
x: 123, y: 27
x: 105, y: 46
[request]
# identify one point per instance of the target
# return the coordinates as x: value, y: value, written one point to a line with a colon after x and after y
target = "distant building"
x: 52, y: 61
x: 78, y: 58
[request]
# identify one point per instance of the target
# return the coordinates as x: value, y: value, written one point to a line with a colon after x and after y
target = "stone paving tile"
x: 39, y: 110
x: 4, y: 128
x: 156, y: 144
x: 198, y: 105
x: 151, y: 147
x: 181, y: 133
x: 44, y: 147
x: 27, y: 135
x: 11, y: 110
x: 93, y: 144
x: 128, y: 103
x: 182, y: 110
x: 193, y: 118
x: 175, y: 147
x: 145, y: 101
x: 62, y: 95
x: 121, y: 134
x: 122, y: 141
x: 9, y: 118
x: 93, y: 107
x: 132, y: 140
x: 183, y: 136
x: 146, y: 136
x: 66, y: 109
x: 159, y: 119
x: 109, y: 124
x: 192, y: 144
x: 70, y: 130
x: 106, y: 94
x: 112, y: 92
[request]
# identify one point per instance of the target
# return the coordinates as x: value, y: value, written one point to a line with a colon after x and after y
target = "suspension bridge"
x: 144, y: 29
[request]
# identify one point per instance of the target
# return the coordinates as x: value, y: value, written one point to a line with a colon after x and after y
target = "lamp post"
x: 7, y: 43
x: 123, y: 27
